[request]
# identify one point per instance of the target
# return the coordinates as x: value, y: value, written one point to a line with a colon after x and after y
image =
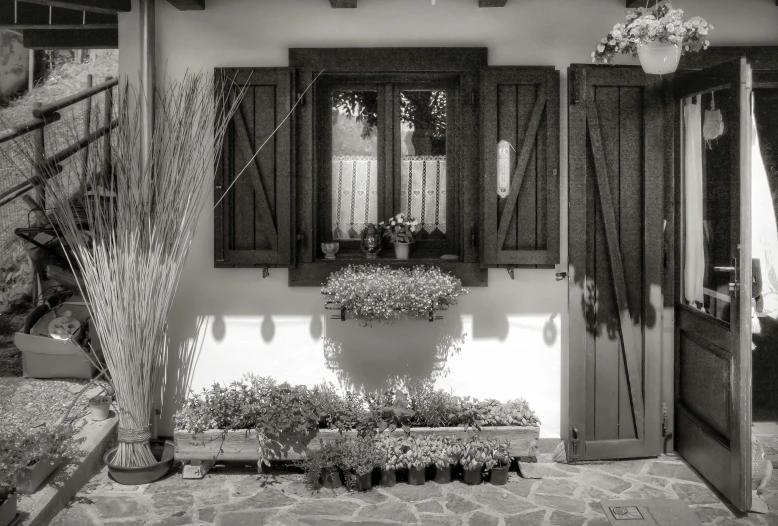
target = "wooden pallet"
x: 200, y: 452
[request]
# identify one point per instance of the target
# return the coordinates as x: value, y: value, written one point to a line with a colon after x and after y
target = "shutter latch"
x: 510, y: 272
x: 265, y: 272
x: 574, y: 444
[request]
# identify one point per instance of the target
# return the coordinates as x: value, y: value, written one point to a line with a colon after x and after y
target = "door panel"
x: 616, y: 166
x: 713, y: 303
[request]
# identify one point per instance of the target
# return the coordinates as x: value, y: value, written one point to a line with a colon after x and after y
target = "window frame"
x: 414, y: 66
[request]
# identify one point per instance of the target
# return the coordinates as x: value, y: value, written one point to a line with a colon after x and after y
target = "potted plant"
x: 100, y: 407
x: 400, y: 230
x: 475, y: 454
x: 322, y: 467
x: 658, y: 36
x: 418, y: 459
x: 29, y: 459
x: 7, y: 504
x: 446, y: 455
x: 390, y: 453
x: 360, y: 458
x: 500, y: 462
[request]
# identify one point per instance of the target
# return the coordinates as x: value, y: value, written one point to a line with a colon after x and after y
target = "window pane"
x: 423, y: 162
x: 354, y: 162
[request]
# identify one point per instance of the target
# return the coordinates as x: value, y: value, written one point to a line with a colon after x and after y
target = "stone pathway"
x: 566, y: 496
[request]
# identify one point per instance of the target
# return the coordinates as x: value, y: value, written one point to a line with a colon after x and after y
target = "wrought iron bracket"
x: 265, y: 272
x: 510, y: 272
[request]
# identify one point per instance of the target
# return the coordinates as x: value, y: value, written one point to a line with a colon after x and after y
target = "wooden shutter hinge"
x: 265, y: 272
x: 664, y: 420
x: 573, y: 444
x: 474, y: 234
x: 576, y: 86
x: 510, y: 272
x: 473, y: 97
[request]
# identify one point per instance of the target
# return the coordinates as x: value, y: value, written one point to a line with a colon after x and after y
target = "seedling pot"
x: 330, y: 478
x: 364, y: 481
x: 161, y: 449
x: 416, y: 477
x: 402, y: 250
x: 8, y: 510
x: 28, y: 480
x: 388, y: 478
x: 443, y: 475
x: 100, y: 408
x: 472, y: 477
x: 499, y: 475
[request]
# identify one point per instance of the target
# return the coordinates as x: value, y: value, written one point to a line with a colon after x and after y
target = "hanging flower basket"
x: 374, y: 292
x: 658, y: 36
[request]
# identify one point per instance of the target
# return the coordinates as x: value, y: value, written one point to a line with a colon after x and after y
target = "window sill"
x: 315, y: 274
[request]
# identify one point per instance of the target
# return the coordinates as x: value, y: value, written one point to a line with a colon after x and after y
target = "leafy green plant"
x: 476, y: 453
x: 467, y: 413
x: 390, y: 452
x: 433, y: 407
x: 500, y: 453
x: 20, y: 449
x: 329, y: 455
x: 344, y: 413
x: 360, y: 456
x: 447, y: 452
x: 399, y: 414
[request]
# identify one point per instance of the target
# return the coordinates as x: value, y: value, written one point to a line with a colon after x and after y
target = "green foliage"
x: 390, y: 452
x: 344, y: 413
x: 20, y: 449
x: 500, y: 452
x: 399, y: 414
x: 360, y: 457
x: 476, y: 453
x: 447, y: 451
x: 329, y: 455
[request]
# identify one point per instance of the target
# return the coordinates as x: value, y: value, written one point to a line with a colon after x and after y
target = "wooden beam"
x: 70, y: 38
x: 492, y: 3
x: 35, y: 16
x: 188, y: 5
x: 633, y: 4
x: 337, y: 4
x: 110, y: 7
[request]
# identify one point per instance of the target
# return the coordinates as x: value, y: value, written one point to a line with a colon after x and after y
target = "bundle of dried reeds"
x: 141, y: 219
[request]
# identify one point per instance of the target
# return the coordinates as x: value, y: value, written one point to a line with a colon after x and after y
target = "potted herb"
x: 418, y: 459
x: 29, y: 459
x: 474, y: 456
x: 658, y: 36
x: 360, y: 458
x: 446, y: 455
x: 500, y: 462
x: 390, y: 452
x: 100, y: 407
x: 321, y: 467
x: 7, y: 505
x: 400, y: 230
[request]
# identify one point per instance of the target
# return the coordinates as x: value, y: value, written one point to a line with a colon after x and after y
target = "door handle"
x: 724, y: 269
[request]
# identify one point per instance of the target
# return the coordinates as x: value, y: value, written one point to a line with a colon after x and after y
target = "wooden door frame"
x: 581, y: 77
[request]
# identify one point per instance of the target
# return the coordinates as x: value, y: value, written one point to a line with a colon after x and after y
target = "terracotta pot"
x: 659, y: 58
x: 388, y: 478
x: 416, y: 477
x: 8, y: 511
x: 443, y: 475
x: 100, y: 408
x: 402, y: 250
x: 499, y: 476
x: 161, y: 449
x: 28, y: 480
x: 473, y: 476
x: 330, y: 478
x: 365, y: 481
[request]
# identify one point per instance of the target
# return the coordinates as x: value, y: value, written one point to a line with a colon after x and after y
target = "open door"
x: 713, y: 284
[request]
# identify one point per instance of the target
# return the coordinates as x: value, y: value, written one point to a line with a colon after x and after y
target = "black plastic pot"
x: 416, y: 477
x: 364, y: 481
x: 8, y: 510
x: 472, y: 477
x: 443, y: 475
x: 162, y: 450
x: 499, y: 476
x: 330, y: 478
x: 388, y: 478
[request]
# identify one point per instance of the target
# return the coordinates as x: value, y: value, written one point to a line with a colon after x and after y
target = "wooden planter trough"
x: 201, y: 451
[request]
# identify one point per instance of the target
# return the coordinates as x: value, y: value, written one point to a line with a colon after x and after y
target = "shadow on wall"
x: 386, y: 356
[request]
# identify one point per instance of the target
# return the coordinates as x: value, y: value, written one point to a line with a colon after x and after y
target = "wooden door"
x: 616, y: 167
x: 713, y: 284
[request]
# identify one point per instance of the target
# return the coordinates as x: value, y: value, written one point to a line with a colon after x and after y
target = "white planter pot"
x: 8, y: 511
x: 659, y: 58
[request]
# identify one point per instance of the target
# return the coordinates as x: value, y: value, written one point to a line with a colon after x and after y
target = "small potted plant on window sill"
x: 500, y: 462
x: 7, y: 504
x: 400, y: 230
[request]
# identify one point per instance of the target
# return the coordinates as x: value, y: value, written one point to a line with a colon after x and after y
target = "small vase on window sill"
x: 402, y: 250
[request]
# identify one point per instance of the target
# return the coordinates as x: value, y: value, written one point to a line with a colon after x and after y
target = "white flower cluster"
x: 400, y: 228
x: 660, y: 24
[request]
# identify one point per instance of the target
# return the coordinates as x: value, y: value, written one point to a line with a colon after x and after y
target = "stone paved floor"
x: 566, y: 496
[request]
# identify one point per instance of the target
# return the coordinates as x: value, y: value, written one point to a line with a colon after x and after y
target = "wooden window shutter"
x: 520, y: 105
x: 252, y: 224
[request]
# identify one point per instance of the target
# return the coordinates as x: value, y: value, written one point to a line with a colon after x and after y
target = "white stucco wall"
x: 516, y: 341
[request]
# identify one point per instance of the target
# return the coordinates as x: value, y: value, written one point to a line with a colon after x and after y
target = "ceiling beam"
x: 36, y: 16
x: 632, y: 4
x: 338, y: 4
x: 492, y: 3
x: 188, y: 5
x: 70, y: 38
x: 110, y: 7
